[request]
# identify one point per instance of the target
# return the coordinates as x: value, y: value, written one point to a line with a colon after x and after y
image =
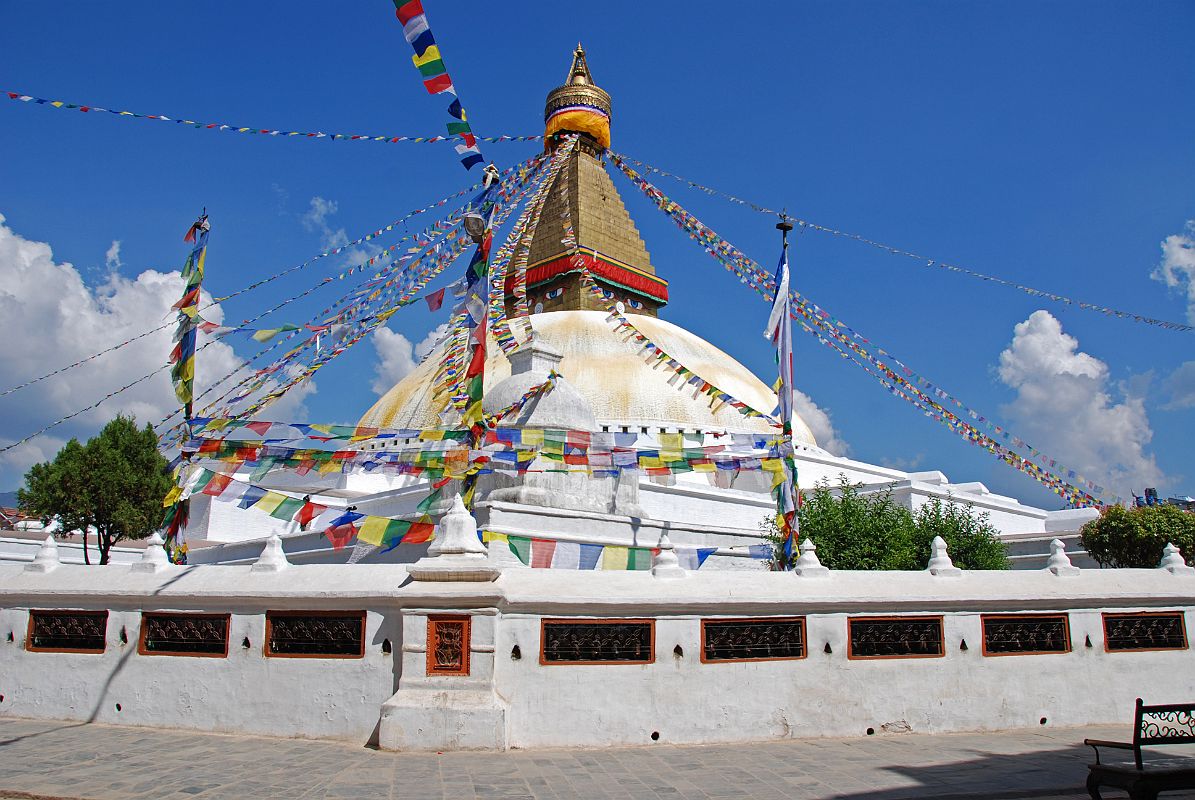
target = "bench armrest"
x: 1096, y: 744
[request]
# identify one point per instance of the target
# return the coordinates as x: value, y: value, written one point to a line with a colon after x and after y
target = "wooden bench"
x: 1152, y: 726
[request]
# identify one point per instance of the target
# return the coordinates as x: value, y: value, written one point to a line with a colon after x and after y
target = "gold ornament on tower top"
x: 579, y: 106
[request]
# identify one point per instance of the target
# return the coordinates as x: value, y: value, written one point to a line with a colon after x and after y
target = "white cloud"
x: 1177, y: 268
x: 1065, y: 406
x: 397, y: 357
x: 1180, y: 385
x: 820, y: 423
x: 317, y: 219
x: 49, y: 318
x: 112, y: 257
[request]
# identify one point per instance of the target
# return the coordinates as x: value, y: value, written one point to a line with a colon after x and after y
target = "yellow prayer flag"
x: 372, y: 530
x: 269, y: 501
x: 429, y: 55
x: 615, y: 557
x: 172, y: 497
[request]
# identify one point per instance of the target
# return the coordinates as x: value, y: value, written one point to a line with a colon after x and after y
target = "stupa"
x: 606, y: 386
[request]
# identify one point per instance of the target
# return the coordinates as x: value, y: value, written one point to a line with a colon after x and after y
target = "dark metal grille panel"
x: 1025, y: 634
x: 448, y: 643
x: 1145, y: 631
x: 566, y: 642
x: 317, y: 634
x: 745, y: 640
x: 894, y: 638
x: 82, y: 631
x: 185, y: 633
x: 1173, y: 726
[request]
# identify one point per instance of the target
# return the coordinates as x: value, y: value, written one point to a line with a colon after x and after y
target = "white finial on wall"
x: 154, y: 558
x: 273, y: 557
x: 1060, y: 563
x: 665, y: 564
x: 939, y: 561
x: 46, y: 559
x: 1173, y: 561
x: 808, y: 564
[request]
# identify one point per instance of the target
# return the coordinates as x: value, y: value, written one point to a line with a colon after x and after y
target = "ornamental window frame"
x: 434, y: 622
x: 1066, y: 623
x: 142, y: 650
x: 100, y: 613
x: 1182, y: 627
x: 850, y: 645
x: 546, y: 621
x: 271, y: 614
x: 762, y: 620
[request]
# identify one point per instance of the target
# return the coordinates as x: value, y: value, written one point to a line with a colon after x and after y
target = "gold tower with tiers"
x: 609, y: 241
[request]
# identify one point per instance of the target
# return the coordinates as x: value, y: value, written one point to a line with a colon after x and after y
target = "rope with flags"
x: 254, y: 129
x: 436, y: 80
x: 183, y: 355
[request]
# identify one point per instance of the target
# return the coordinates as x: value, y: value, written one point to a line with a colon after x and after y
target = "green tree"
x: 873, y: 531
x: 1135, y: 537
x: 114, y: 484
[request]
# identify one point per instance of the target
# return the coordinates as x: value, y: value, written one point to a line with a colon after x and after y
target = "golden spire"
x: 579, y: 106
x: 578, y: 73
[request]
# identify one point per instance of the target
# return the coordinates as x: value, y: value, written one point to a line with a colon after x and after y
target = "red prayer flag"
x: 217, y: 484
x: 419, y: 532
x: 435, y: 300
x: 259, y: 428
x: 408, y: 11
x: 541, y: 553
x: 341, y: 535
x: 308, y: 512
x: 438, y: 84
x: 190, y: 298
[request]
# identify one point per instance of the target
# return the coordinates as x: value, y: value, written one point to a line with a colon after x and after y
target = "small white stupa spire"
x: 46, y: 559
x: 1060, y: 562
x: 808, y: 564
x: 939, y: 561
x: 273, y: 557
x: 665, y: 564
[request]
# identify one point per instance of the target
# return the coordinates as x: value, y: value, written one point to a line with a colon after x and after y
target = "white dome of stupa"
x: 621, y: 387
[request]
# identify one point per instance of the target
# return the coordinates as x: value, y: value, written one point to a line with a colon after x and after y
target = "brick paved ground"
x: 103, y: 762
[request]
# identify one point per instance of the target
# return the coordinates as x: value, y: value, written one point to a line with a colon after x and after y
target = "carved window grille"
x: 448, y: 645
x: 895, y: 637
x: 315, y: 634
x: 1025, y: 634
x: 1145, y: 631
x: 615, y: 641
x: 184, y: 635
x: 752, y: 639
x: 67, y: 631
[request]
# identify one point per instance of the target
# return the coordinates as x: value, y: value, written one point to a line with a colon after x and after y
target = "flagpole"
x: 779, y: 331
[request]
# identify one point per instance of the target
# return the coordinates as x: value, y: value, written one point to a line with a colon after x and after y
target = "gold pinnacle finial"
x: 578, y: 73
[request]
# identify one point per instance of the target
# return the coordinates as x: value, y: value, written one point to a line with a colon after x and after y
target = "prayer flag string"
x: 218, y: 126
x: 928, y: 262
x: 436, y: 80
x: 850, y: 344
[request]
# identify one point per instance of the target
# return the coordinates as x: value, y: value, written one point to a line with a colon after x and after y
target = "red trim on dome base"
x: 602, y: 268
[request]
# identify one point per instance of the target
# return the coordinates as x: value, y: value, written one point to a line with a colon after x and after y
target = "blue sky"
x: 1047, y: 144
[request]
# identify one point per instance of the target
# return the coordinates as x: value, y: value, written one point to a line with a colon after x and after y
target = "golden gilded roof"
x: 612, y: 376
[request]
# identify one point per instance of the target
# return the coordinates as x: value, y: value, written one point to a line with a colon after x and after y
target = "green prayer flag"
x: 287, y: 509
x: 521, y: 547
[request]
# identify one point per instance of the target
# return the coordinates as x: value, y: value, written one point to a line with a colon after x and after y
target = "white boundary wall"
x: 507, y: 702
